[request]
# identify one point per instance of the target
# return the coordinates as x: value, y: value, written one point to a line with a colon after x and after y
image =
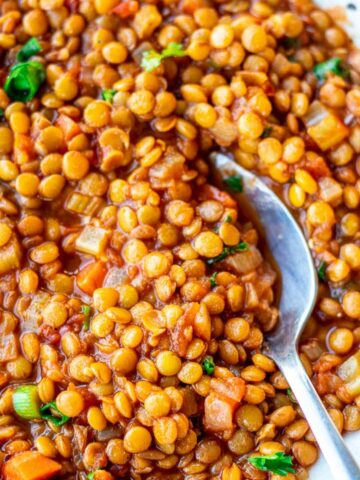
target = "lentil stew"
x: 134, y: 297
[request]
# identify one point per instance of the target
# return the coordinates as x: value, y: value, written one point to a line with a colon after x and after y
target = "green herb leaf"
x: 108, y: 95
x: 267, y: 132
x: 90, y: 476
x: 278, y: 463
x: 151, y: 59
x: 24, y: 80
x: 46, y: 414
x: 234, y: 183
x: 31, y: 47
x: 212, y: 279
x: 174, y: 49
x: 291, y: 396
x: 240, y: 247
x: 208, y: 365
x: 322, y: 271
x: 1, y: 112
x: 332, y: 65
x: 228, y: 219
x: 86, y: 311
x: 26, y: 402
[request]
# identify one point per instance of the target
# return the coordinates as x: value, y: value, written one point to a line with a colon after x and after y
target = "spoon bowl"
x: 299, y: 285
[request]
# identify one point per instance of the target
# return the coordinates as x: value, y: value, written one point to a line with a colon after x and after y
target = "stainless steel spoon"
x: 298, y: 295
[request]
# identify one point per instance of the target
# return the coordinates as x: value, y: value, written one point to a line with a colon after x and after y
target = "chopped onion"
x: 315, y: 114
x: 349, y: 372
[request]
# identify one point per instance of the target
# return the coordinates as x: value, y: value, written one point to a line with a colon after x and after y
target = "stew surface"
x: 134, y: 298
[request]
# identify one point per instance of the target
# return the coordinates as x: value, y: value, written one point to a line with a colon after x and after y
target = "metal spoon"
x: 298, y: 295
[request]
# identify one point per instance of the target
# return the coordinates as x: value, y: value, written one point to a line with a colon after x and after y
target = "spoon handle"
x: 331, y: 443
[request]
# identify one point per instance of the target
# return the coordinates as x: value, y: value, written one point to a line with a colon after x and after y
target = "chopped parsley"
x: 47, y: 413
x: 322, y: 271
x: 152, y: 59
x: 90, y: 476
x: 333, y: 65
x: 278, y: 463
x: 86, y: 311
x: 228, y: 219
x: 240, y: 247
x: 291, y: 396
x: 208, y: 365
x: 213, y: 279
x: 31, y: 47
x: 108, y: 95
x: 234, y: 183
x: 24, y: 80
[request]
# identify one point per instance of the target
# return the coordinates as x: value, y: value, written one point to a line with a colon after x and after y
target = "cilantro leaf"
x: 234, y: 183
x: 174, y: 49
x: 208, y: 365
x: 291, y: 396
x: 108, y: 94
x: 322, y: 271
x: 332, y: 65
x: 47, y: 413
x: 212, y: 279
x: 240, y: 247
x: 30, y: 48
x: 278, y: 463
x: 24, y: 80
x: 151, y: 59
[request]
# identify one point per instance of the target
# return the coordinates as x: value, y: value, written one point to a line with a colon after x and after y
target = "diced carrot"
x: 30, y: 466
x: 232, y: 388
x: 317, y: 167
x: 208, y: 192
x: 68, y: 126
x: 126, y: 9
x: 327, y: 382
x: 329, y: 132
x: 91, y: 277
x: 23, y: 148
x: 218, y: 413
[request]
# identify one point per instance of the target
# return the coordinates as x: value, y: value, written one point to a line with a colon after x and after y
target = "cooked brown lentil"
x: 109, y: 302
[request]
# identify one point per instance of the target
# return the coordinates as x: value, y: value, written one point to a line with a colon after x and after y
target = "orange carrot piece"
x: 23, y: 148
x: 91, y: 277
x: 30, y: 466
x: 126, y: 8
x: 68, y: 126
